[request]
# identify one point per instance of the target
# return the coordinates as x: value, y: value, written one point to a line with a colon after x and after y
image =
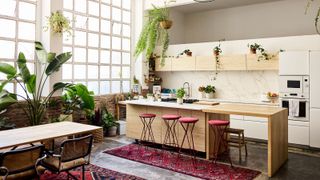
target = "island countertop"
x: 195, y: 107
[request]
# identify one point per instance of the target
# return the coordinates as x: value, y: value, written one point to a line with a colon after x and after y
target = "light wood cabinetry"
x: 183, y: 64
x: 205, y: 63
x: 233, y: 62
x: 165, y: 67
x: 254, y: 64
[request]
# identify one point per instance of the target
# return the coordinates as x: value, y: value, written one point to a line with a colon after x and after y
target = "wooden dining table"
x: 33, y: 134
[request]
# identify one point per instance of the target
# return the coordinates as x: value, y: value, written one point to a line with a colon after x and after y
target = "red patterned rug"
x: 92, y: 173
x: 168, y: 160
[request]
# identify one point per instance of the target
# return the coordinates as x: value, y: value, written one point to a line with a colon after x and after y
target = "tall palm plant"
x: 36, y: 102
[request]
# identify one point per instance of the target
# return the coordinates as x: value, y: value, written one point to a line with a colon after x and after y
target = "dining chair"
x: 73, y: 153
x: 22, y: 163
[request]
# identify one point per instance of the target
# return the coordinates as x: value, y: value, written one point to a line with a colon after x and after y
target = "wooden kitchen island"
x: 203, y: 137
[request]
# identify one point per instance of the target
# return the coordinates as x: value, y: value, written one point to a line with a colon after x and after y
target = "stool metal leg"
x: 189, y: 140
x: 170, y: 137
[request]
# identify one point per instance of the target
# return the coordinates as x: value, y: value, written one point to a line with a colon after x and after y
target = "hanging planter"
x: 58, y: 24
x: 166, y: 24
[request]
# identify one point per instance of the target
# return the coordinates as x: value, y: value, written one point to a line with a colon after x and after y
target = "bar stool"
x: 170, y: 137
x: 237, y: 142
x: 146, y: 133
x: 188, y: 124
x: 219, y: 129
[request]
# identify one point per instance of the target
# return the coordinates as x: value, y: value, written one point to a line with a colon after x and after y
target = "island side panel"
x: 277, y: 141
x: 157, y: 123
x: 134, y: 125
x: 210, y: 137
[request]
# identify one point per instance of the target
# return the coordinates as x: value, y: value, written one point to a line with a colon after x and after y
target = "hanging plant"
x: 254, y: 48
x: 217, y: 52
x: 155, y: 31
x: 316, y: 20
x: 58, y: 23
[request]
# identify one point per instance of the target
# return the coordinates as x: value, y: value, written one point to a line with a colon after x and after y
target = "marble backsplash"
x: 233, y: 85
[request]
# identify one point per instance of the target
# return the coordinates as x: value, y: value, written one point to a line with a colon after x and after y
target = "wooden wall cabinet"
x: 255, y: 65
x: 205, y: 63
x: 183, y: 64
x: 232, y: 63
x: 165, y: 67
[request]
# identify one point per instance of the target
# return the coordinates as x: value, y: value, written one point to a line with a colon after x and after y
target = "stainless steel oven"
x: 303, y: 110
x: 294, y: 86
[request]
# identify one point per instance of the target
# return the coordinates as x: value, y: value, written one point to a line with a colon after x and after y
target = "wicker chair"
x: 21, y: 163
x: 73, y: 153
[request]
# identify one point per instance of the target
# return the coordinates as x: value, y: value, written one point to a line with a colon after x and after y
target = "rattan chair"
x: 73, y: 153
x: 21, y: 163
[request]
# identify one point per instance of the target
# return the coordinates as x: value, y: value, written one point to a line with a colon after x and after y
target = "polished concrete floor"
x: 300, y: 166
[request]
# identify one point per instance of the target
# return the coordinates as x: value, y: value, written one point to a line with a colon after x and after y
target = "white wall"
x: 274, y: 19
x: 237, y: 85
x: 177, y: 31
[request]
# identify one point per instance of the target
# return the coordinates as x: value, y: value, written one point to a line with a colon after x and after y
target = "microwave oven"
x: 294, y: 86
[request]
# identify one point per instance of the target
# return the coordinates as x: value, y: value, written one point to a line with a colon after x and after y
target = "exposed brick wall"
x: 17, y: 116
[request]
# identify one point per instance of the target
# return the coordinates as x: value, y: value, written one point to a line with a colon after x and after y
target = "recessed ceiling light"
x: 203, y: 1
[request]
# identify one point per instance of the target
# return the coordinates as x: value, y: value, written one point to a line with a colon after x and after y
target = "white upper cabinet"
x: 315, y: 79
x: 294, y: 63
x: 160, y: 3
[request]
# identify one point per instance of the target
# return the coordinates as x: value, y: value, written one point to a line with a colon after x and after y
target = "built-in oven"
x: 302, y: 109
x: 294, y: 86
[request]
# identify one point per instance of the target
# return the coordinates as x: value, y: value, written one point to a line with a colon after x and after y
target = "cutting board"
x: 206, y: 103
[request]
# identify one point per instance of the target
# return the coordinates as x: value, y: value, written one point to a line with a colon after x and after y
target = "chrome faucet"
x: 188, y: 89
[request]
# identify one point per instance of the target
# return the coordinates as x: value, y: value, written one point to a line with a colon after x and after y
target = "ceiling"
x: 217, y: 4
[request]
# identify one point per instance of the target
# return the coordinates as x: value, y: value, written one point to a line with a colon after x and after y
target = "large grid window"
x: 100, y: 44
x: 17, y: 34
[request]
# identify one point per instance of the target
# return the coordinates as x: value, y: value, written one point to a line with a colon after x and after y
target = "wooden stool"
x: 237, y: 142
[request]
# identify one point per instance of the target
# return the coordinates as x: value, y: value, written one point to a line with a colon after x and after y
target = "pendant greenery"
x: 152, y: 34
x: 58, y: 23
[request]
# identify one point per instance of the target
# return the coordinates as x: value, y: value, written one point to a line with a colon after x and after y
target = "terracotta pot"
x: 189, y: 53
x: 166, y: 24
x: 216, y: 53
x: 253, y: 51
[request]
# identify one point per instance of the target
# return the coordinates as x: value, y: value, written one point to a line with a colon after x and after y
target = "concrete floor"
x: 299, y: 166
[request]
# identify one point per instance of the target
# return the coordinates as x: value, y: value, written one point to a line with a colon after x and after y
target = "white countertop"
x: 144, y: 102
x: 258, y: 102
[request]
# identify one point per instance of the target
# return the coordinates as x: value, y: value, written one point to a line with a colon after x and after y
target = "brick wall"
x: 17, y: 116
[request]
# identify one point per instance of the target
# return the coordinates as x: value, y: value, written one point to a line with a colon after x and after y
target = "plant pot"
x: 111, y: 131
x: 209, y: 95
x: 180, y: 100
x: 202, y: 95
x: 66, y: 117
x: 166, y: 24
x: 253, y: 51
x: 216, y: 53
x: 189, y: 54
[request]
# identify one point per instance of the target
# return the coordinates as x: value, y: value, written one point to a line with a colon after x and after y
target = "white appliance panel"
x: 315, y: 79
x: 294, y: 63
x: 315, y: 128
x: 298, y: 133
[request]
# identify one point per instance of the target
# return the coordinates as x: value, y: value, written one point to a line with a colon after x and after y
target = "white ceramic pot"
x: 180, y: 100
x: 209, y: 95
x: 202, y: 95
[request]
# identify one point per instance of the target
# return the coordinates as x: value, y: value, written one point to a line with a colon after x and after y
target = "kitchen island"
x: 204, y: 139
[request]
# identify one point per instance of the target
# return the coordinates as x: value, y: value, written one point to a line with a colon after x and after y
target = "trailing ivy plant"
x: 33, y: 88
x: 152, y: 34
x: 58, y: 23
x: 316, y: 20
x: 217, y: 52
x: 263, y: 53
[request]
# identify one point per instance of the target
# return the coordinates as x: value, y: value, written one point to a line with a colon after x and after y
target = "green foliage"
x: 180, y: 93
x: 108, y: 120
x: 210, y: 89
x: 152, y: 34
x: 263, y: 53
x: 316, y: 19
x: 36, y: 102
x: 76, y: 97
x: 58, y: 23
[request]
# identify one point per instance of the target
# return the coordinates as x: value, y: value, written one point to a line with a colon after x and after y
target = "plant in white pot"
x: 180, y: 94
x: 210, y: 90
x: 201, y: 90
x: 110, y: 125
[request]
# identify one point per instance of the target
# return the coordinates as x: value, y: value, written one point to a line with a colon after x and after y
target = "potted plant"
x: 4, y: 125
x: 187, y: 52
x: 216, y: 52
x: 76, y: 97
x: 254, y: 48
x: 109, y: 124
x: 155, y: 30
x: 58, y: 23
x: 180, y: 94
x: 201, y: 90
x: 36, y: 101
x: 210, y: 90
